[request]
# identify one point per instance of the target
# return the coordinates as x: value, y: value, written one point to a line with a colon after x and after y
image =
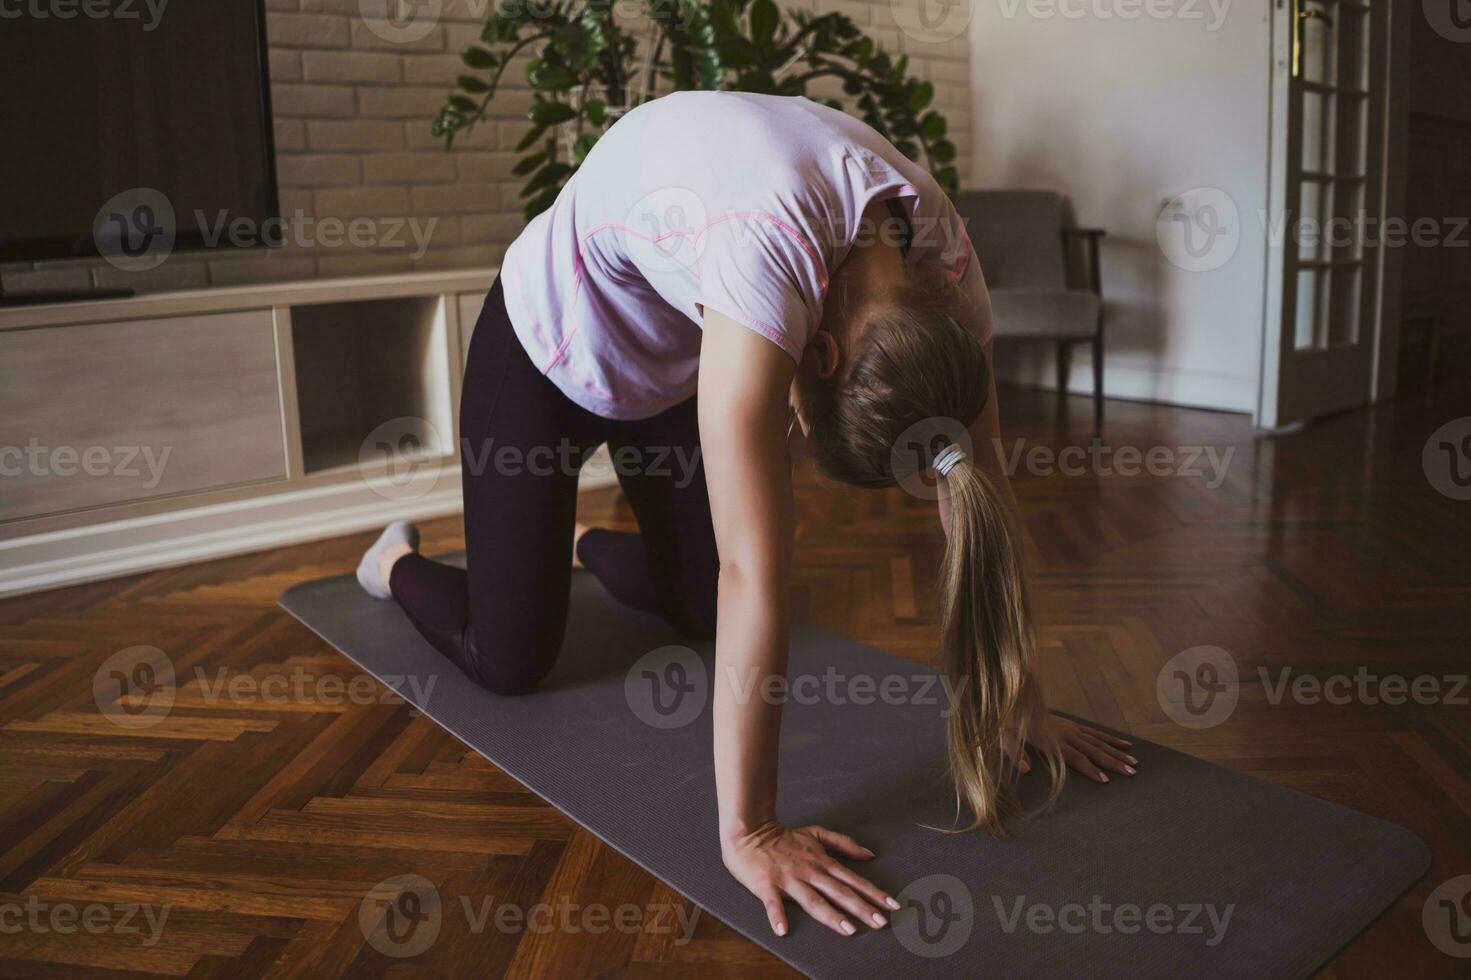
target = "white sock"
x: 369, y: 575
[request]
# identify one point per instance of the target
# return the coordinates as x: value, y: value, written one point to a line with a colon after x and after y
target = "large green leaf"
x: 550, y: 77
x: 583, y: 147
x: 545, y: 113
x: 764, y: 19
x: 540, y: 203
x: 532, y: 135
x: 529, y: 163
x: 551, y: 174
x: 923, y: 94
x: 478, y: 58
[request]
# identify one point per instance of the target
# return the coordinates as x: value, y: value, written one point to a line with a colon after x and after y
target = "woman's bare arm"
x: 744, y: 380
x: 742, y: 401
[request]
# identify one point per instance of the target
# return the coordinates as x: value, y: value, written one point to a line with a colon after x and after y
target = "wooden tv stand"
x: 162, y: 429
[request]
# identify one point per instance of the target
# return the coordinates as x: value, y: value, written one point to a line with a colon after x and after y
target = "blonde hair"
x: 915, y: 370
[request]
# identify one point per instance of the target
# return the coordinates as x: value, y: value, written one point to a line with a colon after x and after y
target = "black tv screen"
x: 142, y: 107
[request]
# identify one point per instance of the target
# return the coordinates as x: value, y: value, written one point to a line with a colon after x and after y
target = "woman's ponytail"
x: 917, y: 365
x: 987, y: 650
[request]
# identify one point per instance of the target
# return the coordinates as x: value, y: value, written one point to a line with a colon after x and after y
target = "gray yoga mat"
x: 1186, y: 870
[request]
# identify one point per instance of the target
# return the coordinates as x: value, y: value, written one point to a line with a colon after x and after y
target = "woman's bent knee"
x: 521, y: 673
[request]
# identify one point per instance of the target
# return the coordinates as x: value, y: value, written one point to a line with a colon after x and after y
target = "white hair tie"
x: 947, y: 458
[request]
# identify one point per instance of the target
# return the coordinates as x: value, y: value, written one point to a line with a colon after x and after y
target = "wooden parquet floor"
x: 281, y: 801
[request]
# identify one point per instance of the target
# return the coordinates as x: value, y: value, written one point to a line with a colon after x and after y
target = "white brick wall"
x: 352, y: 140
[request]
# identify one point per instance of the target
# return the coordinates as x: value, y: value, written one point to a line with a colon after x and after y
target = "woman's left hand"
x: 1085, y: 749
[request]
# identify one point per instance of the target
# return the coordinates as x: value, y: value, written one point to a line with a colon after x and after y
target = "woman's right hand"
x: 774, y: 860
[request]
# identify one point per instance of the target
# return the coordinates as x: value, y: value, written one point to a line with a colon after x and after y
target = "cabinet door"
x: 109, y: 413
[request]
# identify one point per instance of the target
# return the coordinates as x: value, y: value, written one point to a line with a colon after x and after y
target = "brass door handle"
x: 1315, y: 14
x: 1300, y: 13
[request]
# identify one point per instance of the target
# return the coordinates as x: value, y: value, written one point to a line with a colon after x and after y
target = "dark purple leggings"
x: 522, y: 442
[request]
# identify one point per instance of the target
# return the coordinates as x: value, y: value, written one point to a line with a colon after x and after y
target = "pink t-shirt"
x: 741, y: 203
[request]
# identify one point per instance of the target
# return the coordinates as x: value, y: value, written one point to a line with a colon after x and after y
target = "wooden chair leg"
x: 1098, y: 379
x: 1432, y: 352
x: 1064, y: 369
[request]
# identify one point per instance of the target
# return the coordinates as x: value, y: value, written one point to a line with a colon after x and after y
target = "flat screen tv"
x: 137, y: 108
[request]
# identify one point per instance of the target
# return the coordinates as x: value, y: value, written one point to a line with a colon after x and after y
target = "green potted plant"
x: 587, y: 70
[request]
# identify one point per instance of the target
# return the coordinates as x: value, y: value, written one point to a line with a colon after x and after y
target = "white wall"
x: 1120, y: 115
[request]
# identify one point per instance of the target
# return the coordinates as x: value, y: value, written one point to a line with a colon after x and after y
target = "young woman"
x: 722, y: 267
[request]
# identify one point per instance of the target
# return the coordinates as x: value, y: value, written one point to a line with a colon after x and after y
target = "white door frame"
x: 1379, y: 326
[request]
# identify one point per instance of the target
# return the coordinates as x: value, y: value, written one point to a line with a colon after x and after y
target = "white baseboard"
x: 1190, y: 389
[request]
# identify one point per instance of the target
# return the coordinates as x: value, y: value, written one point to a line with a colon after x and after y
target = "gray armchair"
x: 1022, y: 243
